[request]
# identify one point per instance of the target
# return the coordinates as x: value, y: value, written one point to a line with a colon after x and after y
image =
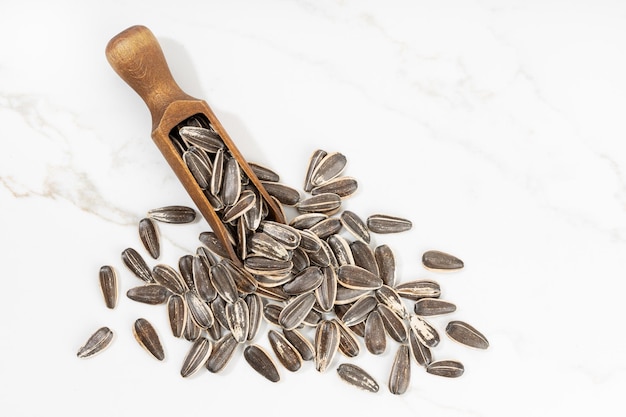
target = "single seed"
x: 355, y: 225
x: 466, y: 334
x: 302, y: 344
x: 375, y: 337
x: 238, y: 319
x: 287, y: 196
x: 221, y: 353
x: 177, y: 314
x: 326, y: 344
x: 359, y: 311
x: 433, y: 307
x: 400, y: 375
x: 108, y: 285
x: 327, y: 203
x: 352, y: 276
x: 327, y: 227
x: 414, y: 290
x: 421, y: 353
x: 169, y: 278
x: 255, y: 312
x: 231, y: 183
x: 424, y: 331
x: 294, y: 313
x: 382, y: 223
x: 224, y: 283
x: 331, y: 166
x: 344, y: 187
x: 217, y: 175
x: 261, y: 362
x: 192, y: 331
x: 356, y: 376
x: 149, y: 294
x: 314, y: 161
x: 306, y: 281
x: 326, y: 292
x: 148, y: 338
x: 349, y: 295
x: 288, y: 236
x: 263, y: 173
x: 441, y: 261
x: 394, y: 325
x: 245, y: 203
x: 446, y: 368
x: 137, y: 265
x: 364, y: 256
x: 262, y: 244
x: 390, y: 297
x: 218, y: 307
x: 203, y: 138
x: 271, y: 313
x: 307, y: 220
x: 173, y: 214
x: 199, y: 310
x: 287, y: 355
x: 196, y: 357
x: 149, y: 236
x: 348, y: 342
x: 202, y: 284
x: 386, y: 262
x: 211, y: 241
x: 185, y: 267
x: 96, y: 343
x: 199, y: 165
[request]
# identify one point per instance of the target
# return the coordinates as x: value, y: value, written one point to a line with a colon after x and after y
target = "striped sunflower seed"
x: 205, y: 139
x: 355, y: 277
x: 169, y: 278
x: 218, y: 307
x: 390, y: 297
x: 341, y: 249
x: 327, y: 203
x: 375, y: 337
x: 355, y: 225
x: 307, y: 220
x: 255, y: 312
x: 433, y: 307
x: 414, y: 290
x: 173, y: 214
x: 245, y: 203
x: 306, y: 281
x: 217, y: 174
x: 196, y: 357
x: 271, y: 312
x: 238, y: 318
x: 286, y: 235
x: 147, y: 337
x: 386, y: 262
x: 199, y: 310
x: 441, y: 261
x: 137, y: 265
x: 331, y: 166
x: 286, y: 195
x: 294, y: 313
x: 446, y: 368
x: 466, y: 334
x: 212, y: 242
x: 199, y: 165
x: 400, y: 376
x: 231, y: 183
x: 202, y: 284
x: 420, y: 352
x: 326, y: 292
x: 327, y: 227
x: 359, y: 311
x: 261, y: 362
x: 264, y: 173
x: 348, y: 342
x: 185, y: 267
x: 224, y: 283
x: 344, y: 187
x: 287, y: 355
x: 300, y: 343
x: 96, y: 343
x: 221, y: 353
x: 394, y: 325
x: 192, y: 331
x: 326, y: 344
x: 364, y: 256
x: 177, y: 314
x: 349, y: 295
x: 262, y: 244
x: 357, y: 377
x: 108, y: 285
x: 314, y: 161
x: 382, y: 223
x: 149, y: 236
x: 149, y: 294
x: 424, y: 331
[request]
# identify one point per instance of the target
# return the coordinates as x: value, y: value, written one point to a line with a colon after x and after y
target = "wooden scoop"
x: 136, y: 56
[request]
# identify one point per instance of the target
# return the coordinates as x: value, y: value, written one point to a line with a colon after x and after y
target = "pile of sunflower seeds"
x: 319, y: 271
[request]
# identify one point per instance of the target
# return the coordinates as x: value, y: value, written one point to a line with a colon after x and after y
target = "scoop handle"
x: 137, y: 57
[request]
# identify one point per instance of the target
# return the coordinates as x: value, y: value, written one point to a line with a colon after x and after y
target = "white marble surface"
x: 496, y: 127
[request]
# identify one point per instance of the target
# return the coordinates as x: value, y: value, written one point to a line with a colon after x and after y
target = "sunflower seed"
x: 211, y: 241
x: 425, y: 332
x: 238, y: 318
x: 286, y: 235
x: 341, y: 249
x: 400, y: 375
x: 262, y: 244
x: 221, y: 353
x: 271, y: 313
x: 340, y: 311
x: 244, y: 281
x: 355, y: 225
x: 302, y: 344
x: 261, y: 362
x: 342, y: 186
x: 196, y: 357
x: 307, y: 220
x: 356, y: 376
x: 327, y: 227
x: 215, y: 332
x: 421, y: 353
x: 205, y: 139
x: 137, y: 265
x: 359, y: 311
x: 173, y: 214
x: 217, y: 174
x: 96, y: 343
x: 348, y: 342
x: 326, y: 292
x: 294, y: 313
x: 148, y: 338
x: 390, y: 297
x: 305, y: 281
x: 310, y: 242
x: 202, y: 280
x: 218, y: 306
x: 300, y: 260
x: 149, y: 236
x: 364, y: 256
x: 255, y: 313
x: 287, y: 355
x: 327, y: 203
x: 192, y: 331
x: 185, y: 267
x: 375, y: 337
x: 382, y: 223
x: 414, y: 290
x: 177, y: 313
x: 272, y: 293
x: 224, y: 283
x: 199, y: 165
x: 149, y: 294
x: 287, y: 196
x: 199, y: 310
x: 446, y: 368
x: 259, y: 265
x: 209, y: 258
x: 169, y: 278
x: 386, y: 263
x: 254, y: 216
x: 331, y: 166
x: 263, y: 173
x: 108, y: 285
x: 348, y: 295
x: 466, y: 334
x: 352, y: 276
x: 314, y: 161
x: 433, y: 307
x: 394, y: 325
x: 441, y: 261
x: 231, y: 183
x: 326, y: 344
x: 245, y: 203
